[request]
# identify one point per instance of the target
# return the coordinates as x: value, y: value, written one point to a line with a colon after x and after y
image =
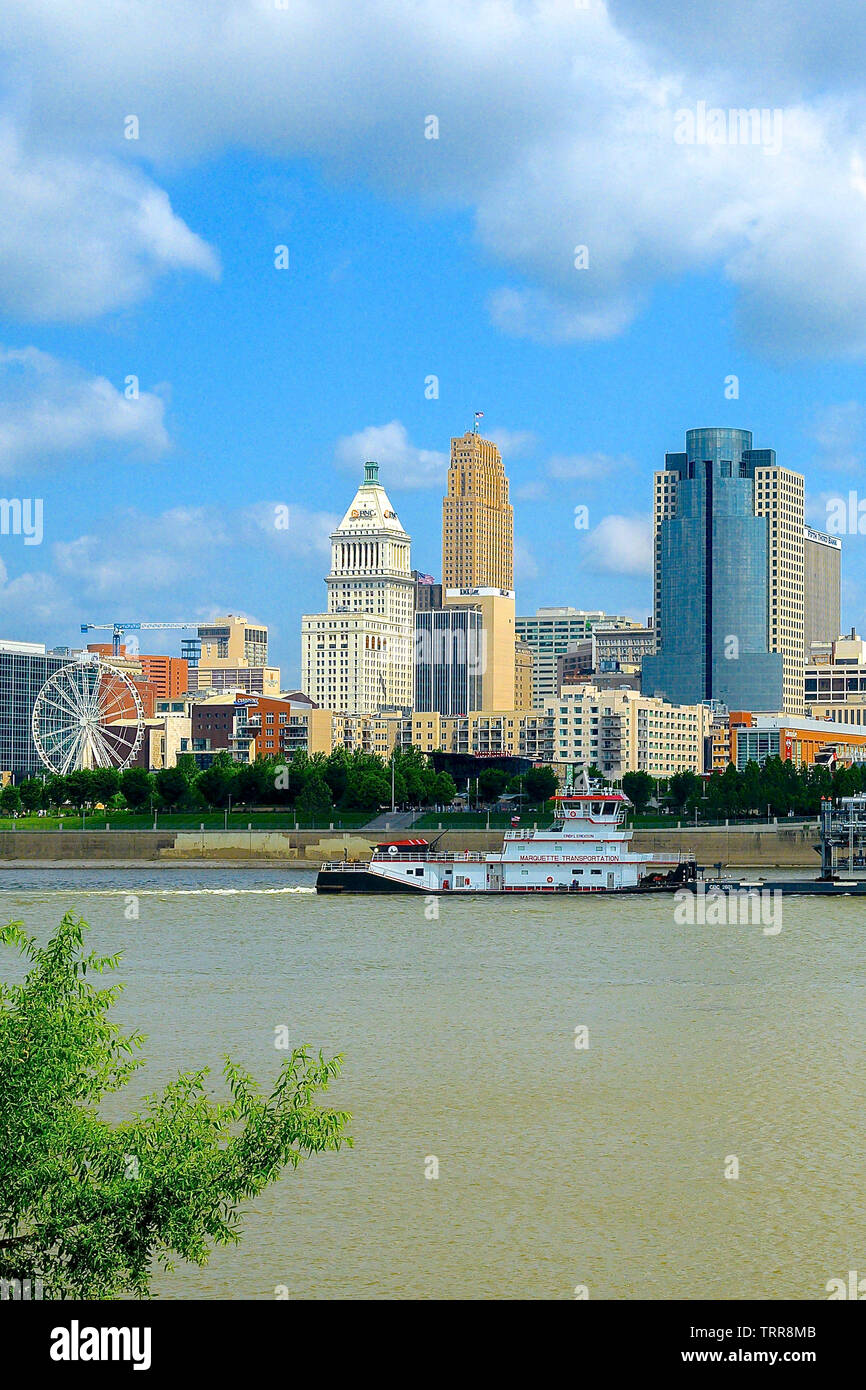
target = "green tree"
x: 90, y: 1207
x: 750, y: 788
x: 136, y: 786
x: 219, y: 781
x: 172, y: 786
x: 540, y: 783
x: 55, y: 790
x: 444, y: 789
x: 32, y: 794
x: 187, y: 764
x: 492, y: 783
x: 79, y: 787
x: 682, y: 786
x: 104, y: 783
x: 10, y: 799
x: 368, y: 788
x: 255, y: 782
x: 315, y: 799
x: 638, y: 787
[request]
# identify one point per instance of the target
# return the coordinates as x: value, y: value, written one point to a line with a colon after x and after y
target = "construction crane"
x: 119, y: 630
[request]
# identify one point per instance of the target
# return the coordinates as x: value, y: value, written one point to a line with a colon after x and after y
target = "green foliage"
x: 10, y: 798
x: 540, y: 783
x: 32, y: 794
x: 444, y: 789
x: 137, y: 787
x: 104, y: 784
x: 90, y: 1207
x: 315, y: 799
x: 171, y: 786
x: 492, y: 783
x: 219, y: 781
x: 638, y: 787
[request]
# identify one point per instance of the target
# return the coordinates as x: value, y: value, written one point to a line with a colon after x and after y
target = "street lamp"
x: 227, y: 813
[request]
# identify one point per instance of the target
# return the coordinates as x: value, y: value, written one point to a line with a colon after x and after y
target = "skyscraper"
x: 780, y: 497
x: 477, y: 518
x: 717, y: 508
x: 550, y: 633
x: 357, y: 657
x: 449, y: 660
x: 821, y: 588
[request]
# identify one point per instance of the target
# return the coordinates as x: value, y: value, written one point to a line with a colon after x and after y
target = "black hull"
x: 795, y: 888
x: 360, y: 881
x: 357, y: 881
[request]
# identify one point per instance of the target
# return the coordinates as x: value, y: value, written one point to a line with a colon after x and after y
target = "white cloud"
x: 401, y: 463
x: 81, y: 236
x: 621, y: 545
x: 533, y: 490
x: 50, y: 409
x: 576, y: 148
x: 132, y: 559
x: 512, y: 443
x: 306, y: 534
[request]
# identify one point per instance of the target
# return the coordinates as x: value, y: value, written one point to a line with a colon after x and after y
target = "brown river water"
x: 558, y: 1166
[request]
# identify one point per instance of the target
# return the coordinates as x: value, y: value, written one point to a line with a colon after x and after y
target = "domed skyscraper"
x: 357, y: 657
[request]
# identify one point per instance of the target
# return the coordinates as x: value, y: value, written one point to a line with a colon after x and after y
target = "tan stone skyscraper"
x: 780, y: 497
x: 477, y: 518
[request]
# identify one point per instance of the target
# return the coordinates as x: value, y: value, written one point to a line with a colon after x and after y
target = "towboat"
x: 586, y: 849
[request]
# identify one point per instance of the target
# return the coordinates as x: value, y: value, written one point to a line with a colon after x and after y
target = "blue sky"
x: 408, y: 257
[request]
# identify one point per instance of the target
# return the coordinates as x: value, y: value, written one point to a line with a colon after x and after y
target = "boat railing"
x: 452, y: 856
x: 345, y: 865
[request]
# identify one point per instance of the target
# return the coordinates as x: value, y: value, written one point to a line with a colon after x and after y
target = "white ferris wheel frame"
x: 71, y: 718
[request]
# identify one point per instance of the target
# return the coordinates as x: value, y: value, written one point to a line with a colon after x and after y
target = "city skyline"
x: 162, y: 642
x: 169, y: 376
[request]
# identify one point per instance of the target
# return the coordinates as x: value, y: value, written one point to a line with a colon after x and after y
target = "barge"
x: 586, y: 849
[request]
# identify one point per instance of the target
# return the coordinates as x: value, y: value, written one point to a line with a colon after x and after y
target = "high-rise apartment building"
x: 233, y: 641
x: 24, y: 669
x: 449, y: 659
x: 477, y: 518
x: 356, y: 658
x: 523, y: 694
x: 550, y: 633
x: 780, y: 497
x: 822, y: 582
x: 496, y: 607
x: 721, y: 509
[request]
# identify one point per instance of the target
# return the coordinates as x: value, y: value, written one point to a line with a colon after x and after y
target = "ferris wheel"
x: 87, y: 714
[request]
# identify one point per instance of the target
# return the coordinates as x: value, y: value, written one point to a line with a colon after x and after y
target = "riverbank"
x: 772, y: 846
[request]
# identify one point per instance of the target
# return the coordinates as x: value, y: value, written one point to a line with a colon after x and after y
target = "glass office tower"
x: 712, y: 577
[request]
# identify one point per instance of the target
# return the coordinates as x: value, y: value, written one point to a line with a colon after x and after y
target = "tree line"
x: 777, y: 784
x: 312, y: 785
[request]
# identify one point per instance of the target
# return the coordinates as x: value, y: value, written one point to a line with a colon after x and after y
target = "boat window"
x: 596, y: 808
x: 595, y: 871
x: 609, y: 808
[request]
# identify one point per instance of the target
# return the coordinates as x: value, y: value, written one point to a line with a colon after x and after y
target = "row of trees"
x: 311, y: 785
x: 343, y: 781
x: 778, y: 784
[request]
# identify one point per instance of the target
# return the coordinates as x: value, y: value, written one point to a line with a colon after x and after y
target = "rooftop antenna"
x: 479, y: 415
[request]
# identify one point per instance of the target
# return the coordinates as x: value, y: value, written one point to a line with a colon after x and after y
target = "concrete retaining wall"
x: 779, y: 846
